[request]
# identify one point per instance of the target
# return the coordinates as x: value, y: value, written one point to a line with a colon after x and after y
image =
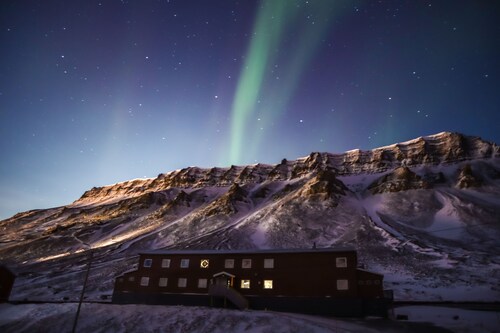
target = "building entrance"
x: 224, y: 279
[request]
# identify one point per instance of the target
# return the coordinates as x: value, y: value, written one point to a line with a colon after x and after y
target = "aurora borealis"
x: 97, y: 92
x: 274, y: 19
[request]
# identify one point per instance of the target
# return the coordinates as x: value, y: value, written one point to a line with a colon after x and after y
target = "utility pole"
x: 83, y: 288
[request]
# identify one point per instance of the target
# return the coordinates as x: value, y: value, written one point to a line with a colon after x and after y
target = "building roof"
x: 251, y: 251
x: 224, y: 273
x: 367, y: 271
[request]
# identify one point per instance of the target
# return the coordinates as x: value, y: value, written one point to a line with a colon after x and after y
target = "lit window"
x: 144, y: 281
x: 204, y: 263
x: 341, y: 262
x: 202, y: 283
x: 184, y: 263
x: 246, y: 263
x: 182, y: 283
x: 229, y: 263
x: 148, y: 262
x: 269, y: 263
x: 245, y: 284
x: 131, y: 278
x: 342, y: 284
x: 163, y: 282
x: 268, y: 284
x: 165, y: 263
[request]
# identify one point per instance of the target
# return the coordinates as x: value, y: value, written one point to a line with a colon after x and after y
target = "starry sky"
x: 97, y: 92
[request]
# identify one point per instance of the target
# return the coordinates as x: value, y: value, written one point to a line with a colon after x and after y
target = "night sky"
x: 97, y: 92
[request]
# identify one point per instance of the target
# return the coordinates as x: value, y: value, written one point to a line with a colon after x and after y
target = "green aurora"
x: 273, y: 20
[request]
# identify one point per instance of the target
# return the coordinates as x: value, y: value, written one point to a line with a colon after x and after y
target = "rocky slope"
x: 426, y: 213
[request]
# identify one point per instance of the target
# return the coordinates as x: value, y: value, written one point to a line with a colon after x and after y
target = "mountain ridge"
x: 423, y: 212
x: 454, y: 147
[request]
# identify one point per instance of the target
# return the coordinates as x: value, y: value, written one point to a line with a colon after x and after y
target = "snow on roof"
x: 367, y: 271
x: 252, y: 251
x: 224, y: 273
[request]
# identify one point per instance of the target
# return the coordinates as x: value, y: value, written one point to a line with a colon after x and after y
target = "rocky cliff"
x: 424, y: 212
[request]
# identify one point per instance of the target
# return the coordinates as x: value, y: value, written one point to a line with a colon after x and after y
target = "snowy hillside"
x: 425, y: 213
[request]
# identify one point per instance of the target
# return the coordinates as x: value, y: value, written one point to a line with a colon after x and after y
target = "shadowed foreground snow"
x: 50, y: 317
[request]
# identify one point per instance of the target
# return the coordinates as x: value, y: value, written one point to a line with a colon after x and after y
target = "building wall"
x: 6, y: 283
x: 318, y: 282
x: 370, y: 285
x: 308, y: 274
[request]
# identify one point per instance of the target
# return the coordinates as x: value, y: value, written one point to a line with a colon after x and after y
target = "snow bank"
x: 148, y: 318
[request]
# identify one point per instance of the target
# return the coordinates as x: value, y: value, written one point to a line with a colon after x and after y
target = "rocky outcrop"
x: 227, y: 204
x: 323, y: 185
x: 401, y: 179
x: 467, y: 178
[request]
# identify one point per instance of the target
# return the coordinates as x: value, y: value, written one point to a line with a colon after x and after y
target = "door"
x: 223, y: 280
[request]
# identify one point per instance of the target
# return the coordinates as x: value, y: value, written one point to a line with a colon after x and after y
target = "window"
x: 342, y: 284
x: 246, y: 263
x: 341, y: 262
x: 184, y: 263
x: 165, y: 263
x: 131, y: 278
x: 229, y: 263
x: 204, y: 263
x: 182, y: 283
x: 145, y: 281
x: 148, y: 262
x: 245, y: 284
x: 268, y: 284
x: 269, y: 263
x: 163, y: 282
x: 202, y: 283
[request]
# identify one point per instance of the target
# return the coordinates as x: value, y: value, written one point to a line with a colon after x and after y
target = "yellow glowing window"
x: 204, y: 263
x: 245, y: 284
x: 268, y: 284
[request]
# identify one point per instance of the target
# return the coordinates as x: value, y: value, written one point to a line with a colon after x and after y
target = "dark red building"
x: 6, y: 282
x: 322, y: 281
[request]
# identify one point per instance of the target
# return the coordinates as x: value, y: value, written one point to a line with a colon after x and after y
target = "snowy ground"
x: 456, y: 320
x: 146, y: 318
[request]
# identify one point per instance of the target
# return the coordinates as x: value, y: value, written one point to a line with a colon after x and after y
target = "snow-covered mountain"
x: 426, y: 213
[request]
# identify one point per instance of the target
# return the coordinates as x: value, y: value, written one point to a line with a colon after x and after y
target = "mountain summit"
x: 423, y: 212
